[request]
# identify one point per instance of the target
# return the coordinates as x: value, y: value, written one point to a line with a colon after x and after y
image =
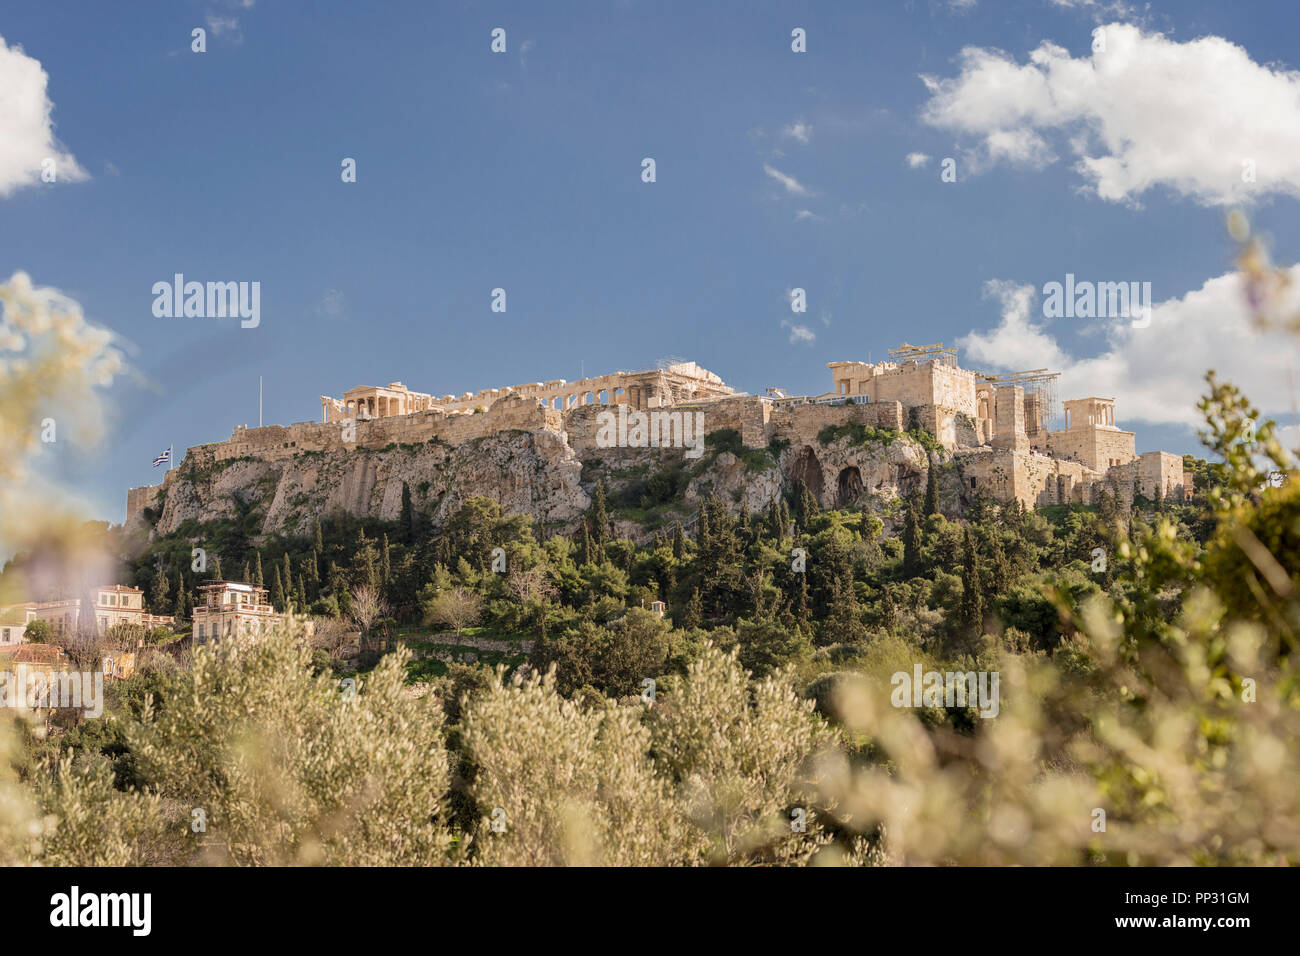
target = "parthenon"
x: 652, y: 388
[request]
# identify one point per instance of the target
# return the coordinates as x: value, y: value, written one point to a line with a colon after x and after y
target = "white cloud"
x: 220, y: 26
x: 792, y: 185
x: 332, y: 303
x: 806, y: 214
x: 1156, y: 374
x: 799, y: 333
x: 917, y: 160
x: 26, y: 129
x: 1144, y: 112
x: 798, y: 130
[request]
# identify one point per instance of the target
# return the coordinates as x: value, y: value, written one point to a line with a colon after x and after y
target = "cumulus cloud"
x: 799, y: 333
x: 917, y: 160
x: 220, y: 26
x: 1142, y: 112
x: 798, y: 130
x: 792, y: 185
x: 1155, y: 373
x: 27, y: 138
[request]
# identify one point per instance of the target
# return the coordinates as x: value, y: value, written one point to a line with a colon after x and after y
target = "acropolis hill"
x: 534, y: 447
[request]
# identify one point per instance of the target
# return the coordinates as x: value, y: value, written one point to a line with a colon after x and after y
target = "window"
x: 972, y: 482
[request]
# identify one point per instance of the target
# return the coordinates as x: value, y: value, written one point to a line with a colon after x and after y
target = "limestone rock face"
x: 841, y: 473
x: 525, y: 472
x: 533, y: 472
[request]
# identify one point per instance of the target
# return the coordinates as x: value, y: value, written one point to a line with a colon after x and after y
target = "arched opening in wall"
x: 588, y: 398
x: 602, y: 397
x: 848, y: 487
x: 808, y: 469
x: 620, y: 396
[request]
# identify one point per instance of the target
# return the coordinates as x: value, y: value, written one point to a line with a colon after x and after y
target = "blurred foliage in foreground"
x: 1163, y: 728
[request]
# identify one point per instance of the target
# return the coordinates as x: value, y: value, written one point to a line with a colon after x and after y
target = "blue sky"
x: 522, y: 170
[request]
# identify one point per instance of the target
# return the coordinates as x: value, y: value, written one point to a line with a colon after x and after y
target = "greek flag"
x: 163, y: 459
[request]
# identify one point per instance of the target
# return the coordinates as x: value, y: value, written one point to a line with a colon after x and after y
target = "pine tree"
x: 972, y: 595
x: 257, y: 572
x: 931, y: 489
x: 160, y: 599
x: 911, y: 541
x: 407, y: 521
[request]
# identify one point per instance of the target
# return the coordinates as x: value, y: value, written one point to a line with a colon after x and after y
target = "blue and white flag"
x: 164, y: 458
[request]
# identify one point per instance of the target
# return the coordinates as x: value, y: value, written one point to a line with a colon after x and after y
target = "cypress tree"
x: 599, y: 516
x: 313, y: 576
x: 257, y: 572
x: 160, y: 599
x: 931, y: 488
x: 277, y: 590
x: 245, y: 577
x: 774, y: 526
x: 679, y: 542
x: 287, y: 578
x: 912, y: 541
x: 888, y: 612
x: 693, y: 616
x: 182, y: 608
x: 999, y: 567
x: 318, y: 542
x: 972, y: 596
x: 586, y: 542
x: 216, y: 568
x: 785, y: 520
x: 385, y: 562
x: 407, y: 521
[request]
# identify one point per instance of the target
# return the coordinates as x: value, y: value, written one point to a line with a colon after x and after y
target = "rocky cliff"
x: 533, y: 472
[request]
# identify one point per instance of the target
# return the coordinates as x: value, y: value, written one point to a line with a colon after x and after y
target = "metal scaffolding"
x: 946, y: 356
x: 1041, y: 384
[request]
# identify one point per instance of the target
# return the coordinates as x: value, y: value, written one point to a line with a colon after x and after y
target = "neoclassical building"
x: 227, y: 607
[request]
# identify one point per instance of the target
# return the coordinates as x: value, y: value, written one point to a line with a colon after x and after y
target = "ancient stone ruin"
x: 995, y: 431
